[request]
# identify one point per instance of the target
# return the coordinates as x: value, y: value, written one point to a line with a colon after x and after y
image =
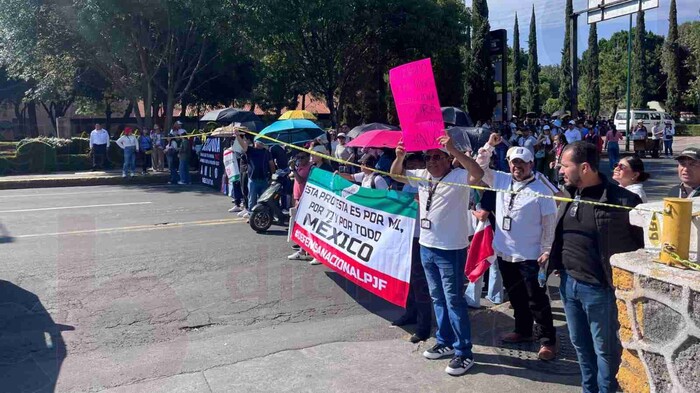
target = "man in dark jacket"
x: 586, y: 236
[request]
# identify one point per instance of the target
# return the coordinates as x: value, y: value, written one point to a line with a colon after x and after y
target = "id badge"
x: 506, y: 223
x: 425, y: 224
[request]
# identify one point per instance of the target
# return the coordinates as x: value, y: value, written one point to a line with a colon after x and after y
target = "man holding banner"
x: 444, y: 223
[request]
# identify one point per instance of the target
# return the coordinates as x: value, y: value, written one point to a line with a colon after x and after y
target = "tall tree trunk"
x: 108, y: 114
x: 330, y: 103
x: 33, y: 125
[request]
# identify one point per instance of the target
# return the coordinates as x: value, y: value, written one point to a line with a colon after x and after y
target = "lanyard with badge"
x: 508, y: 220
x: 425, y: 223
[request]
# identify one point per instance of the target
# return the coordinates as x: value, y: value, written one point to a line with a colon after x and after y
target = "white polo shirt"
x: 449, y: 214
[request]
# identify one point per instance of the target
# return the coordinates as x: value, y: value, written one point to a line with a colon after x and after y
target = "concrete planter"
x: 659, y: 315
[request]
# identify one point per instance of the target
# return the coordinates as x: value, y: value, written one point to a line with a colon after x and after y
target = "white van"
x: 648, y: 116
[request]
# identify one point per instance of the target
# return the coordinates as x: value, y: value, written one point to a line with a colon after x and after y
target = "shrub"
x: 36, y: 157
x: 688, y: 129
x: 115, y: 154
x: 61, y: 145
x: 6, y: 167
x: 79, y: 146
x: 73, y: 162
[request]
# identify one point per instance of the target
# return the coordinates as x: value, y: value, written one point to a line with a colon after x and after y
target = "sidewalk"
x: 353, y: 354
x: 72, y: 179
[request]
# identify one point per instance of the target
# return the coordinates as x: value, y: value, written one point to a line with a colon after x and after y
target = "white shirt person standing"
x: 99, y: 143
x: 523, y: 239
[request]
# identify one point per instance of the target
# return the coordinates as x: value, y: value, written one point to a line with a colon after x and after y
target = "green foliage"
x: 6, y: 166
x: 36, y: 156
x: 481, y: 96
x: 62, y: 146
x: 533, y: 69
x: 115, y: 154
x: 689, y: 48
x: 73, y: 162
x: 672, y: 63
x: 551, y: 105
x: 80, y: 145
x: 517, y: 71
x: 688, y: 129
x: 566, y: 77
x: 640, y: 88
x: 592, y: 101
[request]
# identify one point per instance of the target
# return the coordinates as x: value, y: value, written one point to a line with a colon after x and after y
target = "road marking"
x: 74, y: 207
x: 63, y: 193
x: 139, y: 228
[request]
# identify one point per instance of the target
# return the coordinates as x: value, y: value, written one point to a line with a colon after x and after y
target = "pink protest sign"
x: 417, y: 105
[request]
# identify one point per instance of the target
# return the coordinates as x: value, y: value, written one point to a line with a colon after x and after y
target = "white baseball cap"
x: 571, y: 122
x: 341, y: 135
x: 521, y: 153
x: 546, y: 128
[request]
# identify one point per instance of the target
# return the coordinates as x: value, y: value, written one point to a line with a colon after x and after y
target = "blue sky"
x: 550, y: 22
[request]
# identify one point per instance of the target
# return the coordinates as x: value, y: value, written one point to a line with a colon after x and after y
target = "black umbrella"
x: 469, y: 138
x: 359, y: 130
x: 231, y: 115
x: 456, y: 117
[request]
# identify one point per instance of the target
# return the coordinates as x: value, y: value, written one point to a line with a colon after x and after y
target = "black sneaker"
x: 438, y: 351
x: 416, y: 338
x: 459, y: 365
x: 403, y: 321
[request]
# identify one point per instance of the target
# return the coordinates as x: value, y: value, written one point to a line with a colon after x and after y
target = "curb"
x: 11, y: 184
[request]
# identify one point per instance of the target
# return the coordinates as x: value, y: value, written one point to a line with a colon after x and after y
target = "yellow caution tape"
x: 654, y: 231
x: 480, y: 188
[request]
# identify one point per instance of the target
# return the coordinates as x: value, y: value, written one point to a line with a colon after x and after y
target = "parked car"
x: 648, y: 116
x: 688, y: 118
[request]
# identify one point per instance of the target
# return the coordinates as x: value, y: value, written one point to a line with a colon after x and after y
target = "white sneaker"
x: 299, y: 256
x: 242, y: 213
x: 235, y: 209
x: 124, y: 175
x: 285, y: 212
x: 182, y: 183
x: 131, y: 175
x: 314, y: 262
x: 246, y: 215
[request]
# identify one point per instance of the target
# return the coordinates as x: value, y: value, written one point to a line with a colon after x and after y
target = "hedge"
x: 73, y: 162
x: 35, y: 157
x: 688, y: 129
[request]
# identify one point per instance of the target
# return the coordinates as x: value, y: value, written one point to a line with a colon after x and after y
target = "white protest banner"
x: 231, y: 165
x: 363, y: 234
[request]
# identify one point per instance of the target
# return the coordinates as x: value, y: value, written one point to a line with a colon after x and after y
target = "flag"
x: 481, y: 253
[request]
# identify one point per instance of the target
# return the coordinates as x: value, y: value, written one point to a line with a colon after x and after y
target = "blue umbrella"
x: 295, y: 131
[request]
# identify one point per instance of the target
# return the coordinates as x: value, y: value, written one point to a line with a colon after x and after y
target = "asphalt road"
x: 117, y: 287
x: 138, y: 274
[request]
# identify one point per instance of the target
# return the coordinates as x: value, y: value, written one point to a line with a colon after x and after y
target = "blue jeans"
x: 255, y: 189
x: 129, y: 160
x: 495, y: 292
x: 444, y: 270
x: 591, y: 313
x: 185, y: 171
x: 174, y: 177
x: 613, y: 154
x: 668, y: 147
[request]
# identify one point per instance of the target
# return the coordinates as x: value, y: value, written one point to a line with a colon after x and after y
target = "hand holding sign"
x: 417, y: 104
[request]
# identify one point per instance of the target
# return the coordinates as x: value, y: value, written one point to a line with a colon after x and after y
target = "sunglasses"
x: 434, y: 157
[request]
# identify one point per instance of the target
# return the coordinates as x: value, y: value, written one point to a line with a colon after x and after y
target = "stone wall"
x: 659, y: 314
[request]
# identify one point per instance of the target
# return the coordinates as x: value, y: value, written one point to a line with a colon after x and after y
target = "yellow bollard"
x: 675, y: 234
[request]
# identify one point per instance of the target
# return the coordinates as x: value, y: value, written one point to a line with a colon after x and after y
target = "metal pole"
x: 629, y: 85
x: 573, y: 45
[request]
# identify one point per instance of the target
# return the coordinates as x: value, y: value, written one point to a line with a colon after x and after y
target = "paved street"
x: 148, y: 288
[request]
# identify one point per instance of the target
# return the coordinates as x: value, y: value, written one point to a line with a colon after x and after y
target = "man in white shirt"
x: 657, y: 132
x: 368, y: 178
x: 527, y: 140
x: 177, y: 129
x: 572, y: 133
x: 444, y: 222
x: 524, y: 233
x: 99, y: 142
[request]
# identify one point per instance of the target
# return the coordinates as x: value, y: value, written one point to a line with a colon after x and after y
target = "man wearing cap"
x: 688, y: 173
x: 260, y: 167
x: 523, y: 238
x: 572, y: 133
x: 343, y: 152
x: 177, y: 129
x: 444, y: 223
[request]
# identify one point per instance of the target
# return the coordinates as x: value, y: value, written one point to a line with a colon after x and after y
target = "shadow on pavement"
x: 31, y: 347
x: 366, y: 299
x: 5, y: 236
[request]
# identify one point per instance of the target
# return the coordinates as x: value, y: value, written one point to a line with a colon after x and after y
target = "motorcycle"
x: 267, y: 211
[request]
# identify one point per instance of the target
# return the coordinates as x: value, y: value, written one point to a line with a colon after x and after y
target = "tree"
x: 517, y: 70
x: 482, y: 97
x: 566, y: 77
x: 533, y: 69
x: 672, y: 63
x: 640, y: 91
x: 689, y: 45
x: 593, y: 73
